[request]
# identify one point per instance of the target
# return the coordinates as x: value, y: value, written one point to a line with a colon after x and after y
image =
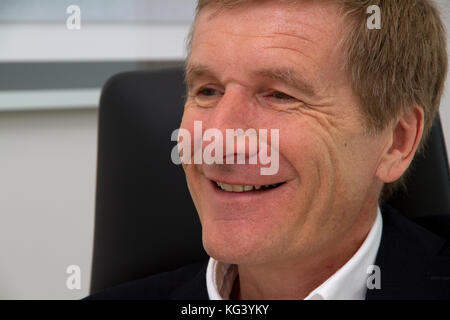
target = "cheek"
x: 340, y: 165
x: 362, y: 155
x: 189, y: 116
x: 311, y: 152
x: 321, y: 163
x: 187, y: 123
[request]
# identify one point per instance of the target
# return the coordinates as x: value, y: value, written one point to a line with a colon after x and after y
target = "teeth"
x: 238, y: 188
x: 225, y: 187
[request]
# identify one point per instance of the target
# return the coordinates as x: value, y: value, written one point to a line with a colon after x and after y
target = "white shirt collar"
x: 348, y: 283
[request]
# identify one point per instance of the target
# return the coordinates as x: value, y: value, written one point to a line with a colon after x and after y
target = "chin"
x: 235, y: 242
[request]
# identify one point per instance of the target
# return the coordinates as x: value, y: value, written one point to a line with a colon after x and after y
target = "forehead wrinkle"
x: 262, y: 36
x: 269, y: 35
x: 294, y: 50
x: 285, y: 34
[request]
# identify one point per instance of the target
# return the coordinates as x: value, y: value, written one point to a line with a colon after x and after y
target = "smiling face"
x: 274, y: 65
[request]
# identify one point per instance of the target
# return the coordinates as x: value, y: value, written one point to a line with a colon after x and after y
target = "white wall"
x: 48, y: 141
x: 445, y: 104
x: 47, y: 189
x: 49, y: 42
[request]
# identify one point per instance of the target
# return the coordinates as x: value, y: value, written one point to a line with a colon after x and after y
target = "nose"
x: 234, y: 111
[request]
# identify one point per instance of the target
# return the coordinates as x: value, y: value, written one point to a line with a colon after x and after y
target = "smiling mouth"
x: 245, y: 188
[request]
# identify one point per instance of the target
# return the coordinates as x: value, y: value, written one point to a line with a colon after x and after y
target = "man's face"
x: 242, y: 63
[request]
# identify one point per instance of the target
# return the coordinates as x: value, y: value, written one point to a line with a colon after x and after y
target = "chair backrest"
x: 145, y: 221
x: 428, y: 182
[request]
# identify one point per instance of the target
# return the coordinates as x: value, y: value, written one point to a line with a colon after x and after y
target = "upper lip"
x: 243, y: 175
x: 246, y: 183
x: 258, y: 181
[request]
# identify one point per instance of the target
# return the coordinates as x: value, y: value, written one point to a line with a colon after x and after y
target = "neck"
x: 296, y: 278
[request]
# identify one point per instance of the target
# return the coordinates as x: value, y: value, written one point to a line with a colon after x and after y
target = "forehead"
x: 295, y: 17
x: 305, y: 33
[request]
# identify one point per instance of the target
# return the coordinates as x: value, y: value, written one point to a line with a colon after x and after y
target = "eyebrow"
x: 197, y: 70
x: 290, y: 78
x: 284, y: 75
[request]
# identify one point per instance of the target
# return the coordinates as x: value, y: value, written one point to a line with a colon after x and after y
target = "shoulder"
x: 424, y: 238
x: 188, y: 282
x: 414, y: 261
x: 397, y: 226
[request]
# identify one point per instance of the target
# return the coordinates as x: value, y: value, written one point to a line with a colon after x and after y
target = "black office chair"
x: 145, y: 221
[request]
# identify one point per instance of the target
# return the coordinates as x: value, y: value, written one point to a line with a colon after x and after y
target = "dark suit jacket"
x: 414, y: 264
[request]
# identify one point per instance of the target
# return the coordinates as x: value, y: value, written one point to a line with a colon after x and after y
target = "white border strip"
x: 49, y: 99
x: 93, y: 42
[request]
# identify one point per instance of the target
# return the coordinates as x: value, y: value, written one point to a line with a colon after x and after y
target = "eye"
x: 207, y: 96
x: 279, y: 99
x: 281, y: 96
x: 207, y: 92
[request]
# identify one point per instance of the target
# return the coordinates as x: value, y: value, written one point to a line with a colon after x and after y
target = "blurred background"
x: 50, y: 82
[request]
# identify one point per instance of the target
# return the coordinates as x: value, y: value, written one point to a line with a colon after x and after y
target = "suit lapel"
x: 194, y: 289
x: 409, y: 261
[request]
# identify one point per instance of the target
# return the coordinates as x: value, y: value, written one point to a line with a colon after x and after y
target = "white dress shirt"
x: 348, y: 283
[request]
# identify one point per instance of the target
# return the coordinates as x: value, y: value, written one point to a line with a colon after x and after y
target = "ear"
x: 404, y: 139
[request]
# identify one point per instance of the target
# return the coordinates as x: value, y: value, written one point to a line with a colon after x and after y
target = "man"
x: 352, y: 105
